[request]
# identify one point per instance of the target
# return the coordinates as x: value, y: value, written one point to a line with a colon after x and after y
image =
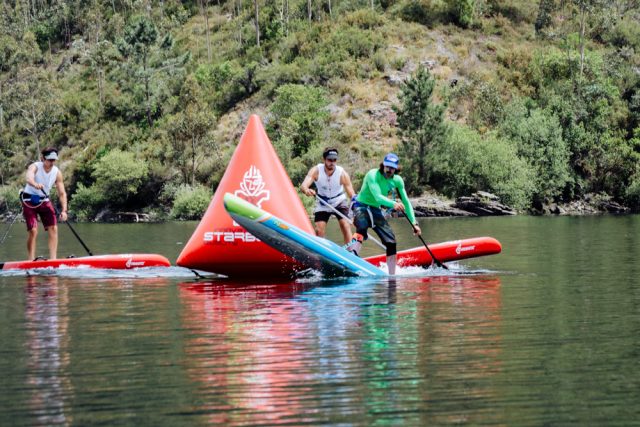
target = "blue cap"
x: 391, y: 160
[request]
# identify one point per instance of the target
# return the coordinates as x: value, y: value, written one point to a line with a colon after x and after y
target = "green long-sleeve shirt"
x: 380, y: 191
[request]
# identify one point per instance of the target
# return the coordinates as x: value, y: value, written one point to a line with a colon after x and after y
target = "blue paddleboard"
x: 311, y: 251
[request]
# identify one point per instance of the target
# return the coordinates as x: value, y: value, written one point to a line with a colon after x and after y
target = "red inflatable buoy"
x: 255, y: 173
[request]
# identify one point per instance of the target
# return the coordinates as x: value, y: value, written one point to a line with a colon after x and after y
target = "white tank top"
x: 44, y: 178
x: 329, y: 188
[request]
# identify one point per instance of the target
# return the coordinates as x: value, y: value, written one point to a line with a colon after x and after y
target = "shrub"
x: 86, y: 202
x: 466, y: 162
x: 365, y: 19
x: 299, y: 116
x: 118, y: 176
x: 625, y: 33
x: 488, y: 108
x: 463, y: 11
x: 9, y: 200
x: 552, y: 65
x: 426, y: 12
x: 222, y: 83
x: 380, y: 61
x: 544, y: 18
x: 538, y: 138
x: 633, y: 191
x: 357, y: 42
x: 190, y: 202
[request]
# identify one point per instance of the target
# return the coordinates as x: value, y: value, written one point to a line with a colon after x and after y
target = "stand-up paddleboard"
x: 447, y: 251
x: 118, y: 262
x: 311, y: 251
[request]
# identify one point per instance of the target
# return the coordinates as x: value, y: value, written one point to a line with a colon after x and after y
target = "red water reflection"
x: 217, y: 315
x: 268, y: 352
x: 47, y: 343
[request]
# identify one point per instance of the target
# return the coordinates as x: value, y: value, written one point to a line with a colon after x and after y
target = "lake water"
x: 546, y: 333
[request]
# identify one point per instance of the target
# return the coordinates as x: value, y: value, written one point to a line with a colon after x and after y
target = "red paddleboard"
x: 446, y: 251
x: 255, y: 174
x: 118, y: 262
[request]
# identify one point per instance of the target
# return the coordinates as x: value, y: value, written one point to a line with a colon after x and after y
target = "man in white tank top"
x: 41, y: 177
x: 333, y: 193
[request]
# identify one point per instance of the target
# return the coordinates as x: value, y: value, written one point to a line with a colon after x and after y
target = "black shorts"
x: 371, y: 217
x: 323, y: 216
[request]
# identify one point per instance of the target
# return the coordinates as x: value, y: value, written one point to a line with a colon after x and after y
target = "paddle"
x: 433, y: 257
x: 348, y: 220
x: 6, y: 233
x: 69, y: 224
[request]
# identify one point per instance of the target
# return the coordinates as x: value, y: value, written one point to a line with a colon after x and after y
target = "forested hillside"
x: 533, y: 101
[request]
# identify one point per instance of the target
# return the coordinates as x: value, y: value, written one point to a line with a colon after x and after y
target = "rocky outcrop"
x: 590, y: 204
x: 478, y: 204
x: 483, y: 204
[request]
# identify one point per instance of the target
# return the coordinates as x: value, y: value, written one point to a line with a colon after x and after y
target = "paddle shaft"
x: 348, y: 219
x: 433, y: 257
x: 69, y: 224
x: 6, y: 233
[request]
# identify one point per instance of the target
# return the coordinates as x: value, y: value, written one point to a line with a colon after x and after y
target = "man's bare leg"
x: 53, y: 241
x: 31, y: 243
x: 345, y: 227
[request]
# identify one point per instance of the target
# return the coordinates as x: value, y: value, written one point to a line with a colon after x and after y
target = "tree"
x: 466, y: 162
x: 538, y: 137
x: 147, y: 60
x: 586, y: 8
x: 33, y: 104
x: 299, y: 116
x: 98, y: 59
x: 190, y: 131
x: 421, y: 127
x: 118, y: 176
x: 139, y: 38
x: 543, y: 20
x: 204, y: 4
x: 257, y: 21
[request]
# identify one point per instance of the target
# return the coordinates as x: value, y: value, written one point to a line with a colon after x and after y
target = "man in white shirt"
x: 333, y: 191
x: 41, y: 177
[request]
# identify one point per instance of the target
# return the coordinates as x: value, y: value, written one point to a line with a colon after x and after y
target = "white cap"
x: 51, y: 156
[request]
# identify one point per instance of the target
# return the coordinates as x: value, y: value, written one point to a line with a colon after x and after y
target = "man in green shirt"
x: 380, y: 189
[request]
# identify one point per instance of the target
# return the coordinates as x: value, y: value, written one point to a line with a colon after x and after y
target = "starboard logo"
x: 229, y: 236
x: 252, y: 187
x: 131, y: 263
x: 252, y: 190
x: 460, y: 248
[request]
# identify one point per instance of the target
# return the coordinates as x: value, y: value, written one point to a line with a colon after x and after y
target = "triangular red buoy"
x: 255, y: 173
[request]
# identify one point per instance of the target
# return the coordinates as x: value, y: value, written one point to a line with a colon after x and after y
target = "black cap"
x: 330, y: 153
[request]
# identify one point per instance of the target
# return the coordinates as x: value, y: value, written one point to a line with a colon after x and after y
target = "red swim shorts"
x: 46, y: 212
